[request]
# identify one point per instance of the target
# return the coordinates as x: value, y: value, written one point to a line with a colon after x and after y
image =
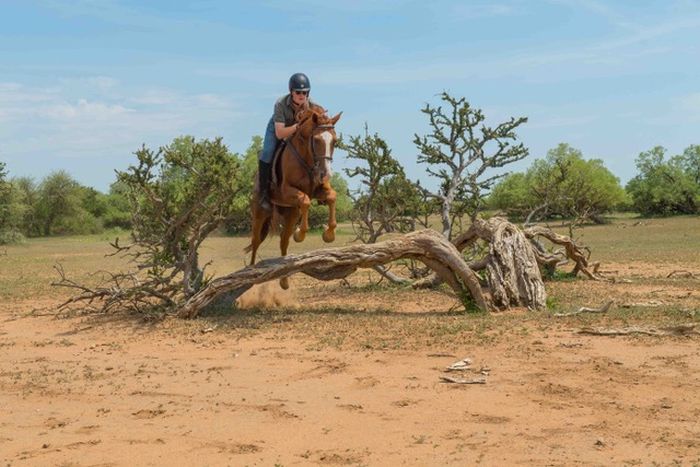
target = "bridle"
x: 317, y: 158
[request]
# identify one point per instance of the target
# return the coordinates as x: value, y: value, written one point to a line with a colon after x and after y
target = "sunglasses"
x: 301, y: 93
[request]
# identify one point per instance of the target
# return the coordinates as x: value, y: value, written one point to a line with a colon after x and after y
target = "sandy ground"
x: 114, y: 391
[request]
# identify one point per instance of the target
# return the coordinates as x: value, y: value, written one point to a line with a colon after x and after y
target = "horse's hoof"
x: 284, y: 283
x: 299, y: 236
x: 328, y: 236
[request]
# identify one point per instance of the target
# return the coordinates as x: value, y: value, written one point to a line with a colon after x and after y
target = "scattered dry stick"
x: 679, y: 330
x: 584, y: 309
x: 680, y: 273
x: 450, y: 379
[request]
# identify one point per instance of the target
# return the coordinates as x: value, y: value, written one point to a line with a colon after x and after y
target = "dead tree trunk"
x: 426, y: 246
x: 512, y: 273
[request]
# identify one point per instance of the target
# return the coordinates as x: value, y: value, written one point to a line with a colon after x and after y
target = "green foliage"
x: 25, y: 200
x: 564, y: 184
x: 178, y: 196
x: 60, y: 207
x: 5, y: 199
x: 460, y: 151
x: 11, y: 210
x: 666, y: 187
x: 117, y: 212
x: 385, y: 195
x: 240, y: 221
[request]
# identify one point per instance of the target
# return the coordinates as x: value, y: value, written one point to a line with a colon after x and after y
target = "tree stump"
x: 512, y: 272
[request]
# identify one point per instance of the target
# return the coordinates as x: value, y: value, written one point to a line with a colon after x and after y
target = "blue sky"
x: 84, y: 83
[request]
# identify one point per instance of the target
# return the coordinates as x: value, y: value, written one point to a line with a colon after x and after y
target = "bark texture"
x: 513, y: 276
x: 427, y: 246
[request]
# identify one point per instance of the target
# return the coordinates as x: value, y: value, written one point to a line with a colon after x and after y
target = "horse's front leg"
x: 298, y: 199
x: 300, y: 233
x: 328, y: 196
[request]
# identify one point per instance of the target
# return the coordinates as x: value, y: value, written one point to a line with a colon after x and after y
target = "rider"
x: 281, y: 126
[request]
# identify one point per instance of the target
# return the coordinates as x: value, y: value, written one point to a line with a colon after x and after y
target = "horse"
x: 302, y: 171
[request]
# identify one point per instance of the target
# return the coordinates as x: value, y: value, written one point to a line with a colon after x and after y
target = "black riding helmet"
x: 299, y: 82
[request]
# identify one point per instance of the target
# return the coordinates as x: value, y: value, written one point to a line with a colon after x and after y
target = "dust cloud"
x: 267, y: 295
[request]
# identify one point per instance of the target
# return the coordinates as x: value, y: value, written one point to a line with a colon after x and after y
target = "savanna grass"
x: 364, y: 313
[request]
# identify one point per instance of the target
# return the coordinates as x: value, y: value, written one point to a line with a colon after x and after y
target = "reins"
x: 310, y: 169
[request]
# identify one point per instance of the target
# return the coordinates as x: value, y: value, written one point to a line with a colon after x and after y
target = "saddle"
x: 276, y: 175
x: 276, y: 165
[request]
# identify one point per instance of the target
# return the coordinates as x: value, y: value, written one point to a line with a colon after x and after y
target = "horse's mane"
x: 309, y: 111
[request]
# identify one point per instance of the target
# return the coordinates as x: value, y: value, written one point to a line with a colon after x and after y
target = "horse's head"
x: 319, y: 129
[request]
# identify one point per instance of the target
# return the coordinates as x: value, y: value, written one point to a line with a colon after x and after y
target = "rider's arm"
x: 283, y: 132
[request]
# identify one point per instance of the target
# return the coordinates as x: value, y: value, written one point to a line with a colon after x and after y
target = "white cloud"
x: 52, y: 122
x: 83, y: 109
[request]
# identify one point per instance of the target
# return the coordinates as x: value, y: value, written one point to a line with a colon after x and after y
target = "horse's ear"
x: 336, y: 118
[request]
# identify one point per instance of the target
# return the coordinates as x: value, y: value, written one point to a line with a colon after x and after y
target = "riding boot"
x: 264, y: 172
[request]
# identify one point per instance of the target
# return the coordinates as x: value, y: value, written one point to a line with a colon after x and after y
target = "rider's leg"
x: 265, y: 165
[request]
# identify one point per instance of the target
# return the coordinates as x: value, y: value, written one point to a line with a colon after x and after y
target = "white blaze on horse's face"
x: 327, y: 139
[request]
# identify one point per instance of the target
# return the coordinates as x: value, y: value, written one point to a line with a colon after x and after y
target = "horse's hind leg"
x: 290, y: 220
x: 261, y: 225
x: 297, y: 198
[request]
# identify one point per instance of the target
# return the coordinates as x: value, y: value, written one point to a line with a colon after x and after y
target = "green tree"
x: 116, y: 212
x: 5, y: 193
x: 178, y: 196
x: 461, y: 151
x: 384, y: 193
x: 564, y: 184
x: 60, y: 209
x: 27, y: 193
x: 689, y: 162
x: 239, y: 221
x: 665, y: 187
x: 11, y: 210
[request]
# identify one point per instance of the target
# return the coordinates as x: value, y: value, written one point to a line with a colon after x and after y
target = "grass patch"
x: 379, y: 315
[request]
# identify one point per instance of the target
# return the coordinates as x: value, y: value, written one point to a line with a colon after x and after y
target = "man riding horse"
x: 303, y: 169
x: 281, y: 126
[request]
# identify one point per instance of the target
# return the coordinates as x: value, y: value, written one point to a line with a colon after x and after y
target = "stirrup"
x: 264, y: 203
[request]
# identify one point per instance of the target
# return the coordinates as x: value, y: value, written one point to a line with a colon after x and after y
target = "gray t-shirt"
x: 284, y: 111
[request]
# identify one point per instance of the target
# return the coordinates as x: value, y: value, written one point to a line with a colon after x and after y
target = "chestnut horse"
x: 303, y: 171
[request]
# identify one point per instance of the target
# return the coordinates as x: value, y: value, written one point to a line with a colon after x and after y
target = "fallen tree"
x: 509, y: 274
x: 512, y: 278
x: 492, y: 232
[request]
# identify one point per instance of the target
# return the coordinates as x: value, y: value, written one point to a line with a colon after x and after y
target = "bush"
x: 666, y: 187
x: 564, y: 184
x: 10, y: 237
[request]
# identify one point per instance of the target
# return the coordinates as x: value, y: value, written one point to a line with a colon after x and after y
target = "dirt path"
x: 81, y: 391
